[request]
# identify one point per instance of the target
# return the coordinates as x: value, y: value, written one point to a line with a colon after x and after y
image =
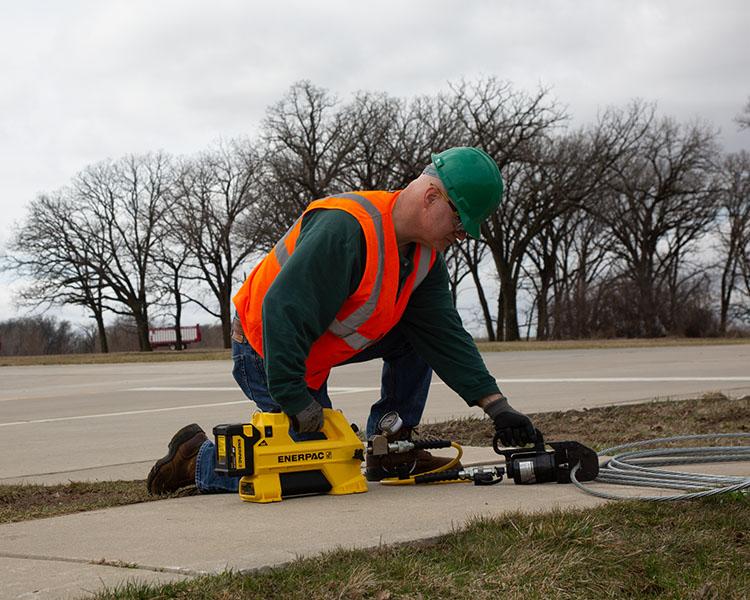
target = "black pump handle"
x: 538, y: 445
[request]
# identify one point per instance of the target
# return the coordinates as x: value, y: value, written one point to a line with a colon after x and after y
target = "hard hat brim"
x: 471, y: 227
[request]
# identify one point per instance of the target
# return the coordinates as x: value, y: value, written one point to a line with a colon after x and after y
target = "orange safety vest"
x: 370, y: 312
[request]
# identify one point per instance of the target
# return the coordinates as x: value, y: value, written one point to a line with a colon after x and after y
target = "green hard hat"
x: 472, y: 181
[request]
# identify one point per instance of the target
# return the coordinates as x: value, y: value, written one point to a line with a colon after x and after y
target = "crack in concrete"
x: 104, y: 562
x: 123, y: 464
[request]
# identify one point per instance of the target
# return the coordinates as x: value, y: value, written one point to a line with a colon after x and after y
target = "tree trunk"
x: 728, y: 276
x: 647, y: 304
x: 483, y: 303
x: 542, y: 312
x: 99, y: 318
x: 500, y: 331
x: 177, y: 313
x: 178, y: 322
x: 141, y: 323
x: 508, y: 308
x: 510, y: 317
x: 542, y: 299
x: 226, y: 322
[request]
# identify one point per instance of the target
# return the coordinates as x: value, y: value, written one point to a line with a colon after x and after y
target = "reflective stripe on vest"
x: 282, y: 254
x: 346, y: 329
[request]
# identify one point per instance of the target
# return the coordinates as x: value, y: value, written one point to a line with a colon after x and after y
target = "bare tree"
x: 744, y: 310
x: 49, y: 254
x: 660, y: 201
x: 468, y: 256
x: 564, y: 177
x: 427, y: 124
x: 42, y: 335
x: 121, y: 205
x: 543, y: 253
x: 171, y: 265
x: 214, y: 212
x: 507, y: 124
x: 308, y: 146
x: 583, y: 262
x: 735, y: 234
x: 374, y: 156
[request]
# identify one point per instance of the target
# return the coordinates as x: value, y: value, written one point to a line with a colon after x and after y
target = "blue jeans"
x: 404, y: 384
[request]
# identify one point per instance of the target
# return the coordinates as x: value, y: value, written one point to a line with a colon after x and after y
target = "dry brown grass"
x: 115, y: 357
x: 31, y: 501
x: 613, y: 425
x: 620, y: 550
x: 605, y: 344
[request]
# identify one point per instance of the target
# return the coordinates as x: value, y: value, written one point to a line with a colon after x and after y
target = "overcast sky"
x: 83, y: 80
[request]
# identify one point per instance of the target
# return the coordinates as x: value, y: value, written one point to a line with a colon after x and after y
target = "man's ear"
x: 430, y: 196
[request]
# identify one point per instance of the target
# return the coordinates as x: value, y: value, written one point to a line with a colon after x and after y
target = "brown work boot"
x: 177, y: 468
x: 411, y: 463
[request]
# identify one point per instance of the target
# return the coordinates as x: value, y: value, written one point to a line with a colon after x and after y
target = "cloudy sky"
x: 84, y: 80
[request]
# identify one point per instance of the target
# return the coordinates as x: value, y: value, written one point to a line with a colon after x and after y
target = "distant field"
x: 115, y: 357
x: 219, y: 354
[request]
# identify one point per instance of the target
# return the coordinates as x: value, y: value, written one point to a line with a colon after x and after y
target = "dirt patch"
x: 612, y: 425
x: 27, y: 501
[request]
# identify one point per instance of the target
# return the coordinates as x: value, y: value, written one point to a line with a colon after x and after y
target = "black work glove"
x: 513, y: 427
x: 309, y: 419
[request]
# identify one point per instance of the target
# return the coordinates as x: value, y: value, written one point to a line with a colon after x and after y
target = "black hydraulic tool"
x: 384, y: 444
x: 524, y: 466
x: 538, y: 465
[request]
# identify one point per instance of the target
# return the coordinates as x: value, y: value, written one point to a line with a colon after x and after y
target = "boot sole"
x: 179, y: 438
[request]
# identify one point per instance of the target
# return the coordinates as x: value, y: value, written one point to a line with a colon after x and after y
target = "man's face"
x: 442, y: 224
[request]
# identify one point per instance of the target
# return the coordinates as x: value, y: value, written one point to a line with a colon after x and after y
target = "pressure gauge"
x: 390, y: 423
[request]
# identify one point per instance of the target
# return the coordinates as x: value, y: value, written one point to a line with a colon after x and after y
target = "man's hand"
x: 514, y: 428
x: 309, y: 419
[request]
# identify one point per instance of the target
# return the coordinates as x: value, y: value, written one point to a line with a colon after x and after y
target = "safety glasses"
x: 458, y: 225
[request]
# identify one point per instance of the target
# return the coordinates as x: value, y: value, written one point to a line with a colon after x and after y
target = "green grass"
x: 622, y: 550
x: 221, y: 354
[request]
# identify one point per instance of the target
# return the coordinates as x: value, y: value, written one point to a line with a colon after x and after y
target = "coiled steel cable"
x: 639, y: 468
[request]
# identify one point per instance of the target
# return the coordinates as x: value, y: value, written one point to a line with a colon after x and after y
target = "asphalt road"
x: 61, y: 423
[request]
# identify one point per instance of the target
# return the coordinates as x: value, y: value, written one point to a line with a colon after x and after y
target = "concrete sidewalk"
x: 73, y: 555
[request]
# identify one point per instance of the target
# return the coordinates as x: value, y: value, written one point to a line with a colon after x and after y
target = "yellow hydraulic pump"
x: 274, y: 466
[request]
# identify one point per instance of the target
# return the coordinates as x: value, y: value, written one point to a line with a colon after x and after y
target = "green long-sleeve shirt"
x: 323, y: 271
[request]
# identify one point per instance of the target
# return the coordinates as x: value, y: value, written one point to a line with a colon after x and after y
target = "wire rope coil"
x: 637, y: 467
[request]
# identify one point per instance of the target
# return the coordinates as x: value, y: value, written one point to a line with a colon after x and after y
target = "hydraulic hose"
x: 636, y: 467
x: 411, y: 481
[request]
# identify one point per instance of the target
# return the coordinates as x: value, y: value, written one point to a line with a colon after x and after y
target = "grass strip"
x: 590, y: 344
x: 220, y: 354
x: 607, y: 426
x: 115, y: 358
x: 620, y: 550
x: 24, y: 502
